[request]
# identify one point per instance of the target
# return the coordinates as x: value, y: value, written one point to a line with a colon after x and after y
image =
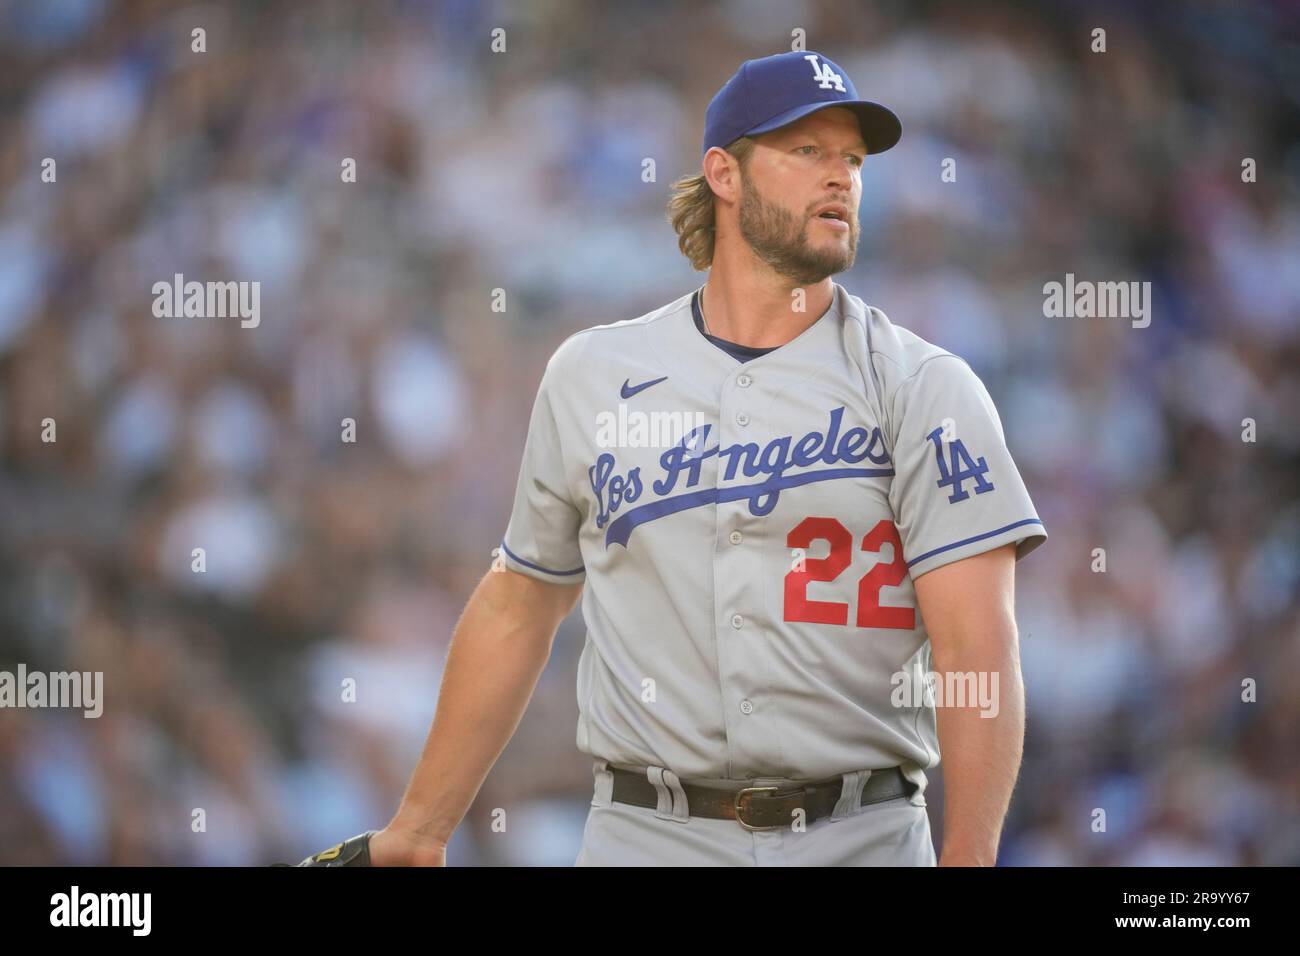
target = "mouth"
x: 835, y: 215
x: 838, y: 225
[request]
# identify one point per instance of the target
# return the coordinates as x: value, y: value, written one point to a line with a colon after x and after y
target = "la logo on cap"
x: 824, y: 75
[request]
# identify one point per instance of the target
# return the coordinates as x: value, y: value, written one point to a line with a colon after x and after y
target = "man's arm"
x: 498, y: 652
x: 969, y: 611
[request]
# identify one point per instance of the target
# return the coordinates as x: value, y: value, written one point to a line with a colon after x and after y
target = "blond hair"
x: 691, y: 211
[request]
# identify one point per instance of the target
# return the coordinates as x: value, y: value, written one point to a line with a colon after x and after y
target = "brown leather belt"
x: 763, y: 808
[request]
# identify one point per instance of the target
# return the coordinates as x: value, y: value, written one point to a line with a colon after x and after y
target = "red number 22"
x: 871, y: 613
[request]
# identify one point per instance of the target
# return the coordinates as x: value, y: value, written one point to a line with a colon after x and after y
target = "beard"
x: 779, y: 238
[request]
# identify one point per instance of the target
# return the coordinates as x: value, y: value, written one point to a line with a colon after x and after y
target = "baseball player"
x: 790, y: 522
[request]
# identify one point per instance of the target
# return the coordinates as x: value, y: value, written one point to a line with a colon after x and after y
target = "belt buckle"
x: 739, y: 813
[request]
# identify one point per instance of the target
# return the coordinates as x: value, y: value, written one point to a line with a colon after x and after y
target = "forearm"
x: 498, y: 651
x: 982, y: 744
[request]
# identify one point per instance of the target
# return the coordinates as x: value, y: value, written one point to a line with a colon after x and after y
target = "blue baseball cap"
x: 769, y: 93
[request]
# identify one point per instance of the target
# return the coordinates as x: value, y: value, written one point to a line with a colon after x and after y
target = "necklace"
x: 703, y: 319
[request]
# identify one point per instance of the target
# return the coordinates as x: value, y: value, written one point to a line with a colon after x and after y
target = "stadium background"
x: 522, y: 171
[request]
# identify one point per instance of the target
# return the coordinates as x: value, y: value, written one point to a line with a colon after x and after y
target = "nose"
x: 839, y: 175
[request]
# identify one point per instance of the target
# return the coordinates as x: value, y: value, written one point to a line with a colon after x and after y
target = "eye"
x: 801, y: 148
x: 857, y: 160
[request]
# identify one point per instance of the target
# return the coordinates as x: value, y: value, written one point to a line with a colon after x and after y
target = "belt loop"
x: 916, y: 775
x: 604, y: 792
x: 672, y: 798
x: 850, y: 800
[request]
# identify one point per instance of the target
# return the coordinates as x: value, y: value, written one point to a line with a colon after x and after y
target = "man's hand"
x: 395, y: 846
x: 498, y: 651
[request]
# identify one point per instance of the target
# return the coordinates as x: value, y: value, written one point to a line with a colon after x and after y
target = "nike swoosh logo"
x: 628, y: 391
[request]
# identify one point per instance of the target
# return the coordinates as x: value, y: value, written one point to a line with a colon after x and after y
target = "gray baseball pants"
x: 891, y: 833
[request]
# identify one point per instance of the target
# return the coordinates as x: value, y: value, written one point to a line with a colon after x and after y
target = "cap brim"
x: 880, y: 127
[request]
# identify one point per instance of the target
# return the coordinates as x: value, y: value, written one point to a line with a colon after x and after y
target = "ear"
x: 722, y: 170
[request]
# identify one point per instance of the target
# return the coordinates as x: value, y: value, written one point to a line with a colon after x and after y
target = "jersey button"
x: 737, y: 621
x: 746, y: 707
x: 735, y: 537
x: 742, y: 418
x: 743, y: 380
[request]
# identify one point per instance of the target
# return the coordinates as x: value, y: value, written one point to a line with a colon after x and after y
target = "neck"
x: 758, y: 308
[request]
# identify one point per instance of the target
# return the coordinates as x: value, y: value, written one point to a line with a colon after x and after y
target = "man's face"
x: 792, y: 174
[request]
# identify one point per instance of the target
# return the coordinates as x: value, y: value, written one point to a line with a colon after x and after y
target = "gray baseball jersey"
x: 749, y: 533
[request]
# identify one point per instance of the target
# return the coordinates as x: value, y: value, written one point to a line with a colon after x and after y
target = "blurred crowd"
x: 337, y: 568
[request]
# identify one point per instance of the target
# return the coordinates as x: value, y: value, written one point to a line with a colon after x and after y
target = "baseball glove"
x: 351, y: 852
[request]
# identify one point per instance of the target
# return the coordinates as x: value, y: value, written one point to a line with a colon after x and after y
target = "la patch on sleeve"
x: 959, y: 469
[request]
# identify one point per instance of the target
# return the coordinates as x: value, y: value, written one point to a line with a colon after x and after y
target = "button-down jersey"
x: 748, y: 535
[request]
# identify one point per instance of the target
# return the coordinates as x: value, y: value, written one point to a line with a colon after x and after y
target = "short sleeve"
x: 956, y: 491
x: 541, y: 539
